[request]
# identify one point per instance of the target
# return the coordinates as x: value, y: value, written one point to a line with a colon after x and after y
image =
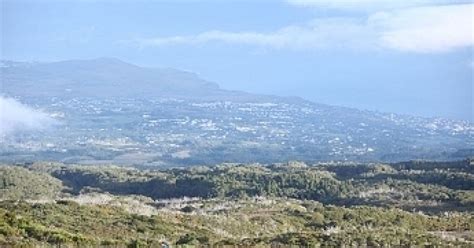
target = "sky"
x: 411, y: 57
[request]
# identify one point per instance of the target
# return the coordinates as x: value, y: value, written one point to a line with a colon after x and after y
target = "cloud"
x: 427, y: 29
x: 369, y: 5
x: 420, y: 29
x: 315, y: 34
x: 16, y: 117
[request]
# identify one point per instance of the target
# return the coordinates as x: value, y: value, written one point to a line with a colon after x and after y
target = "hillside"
x: 402, y: 204
x: 103, y: 77
x: 20, y: 183
x: 113, y: 112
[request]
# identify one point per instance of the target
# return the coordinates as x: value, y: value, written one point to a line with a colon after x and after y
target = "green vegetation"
x: 250, y: 222
x: 404, y: 204
x: 20, y: 183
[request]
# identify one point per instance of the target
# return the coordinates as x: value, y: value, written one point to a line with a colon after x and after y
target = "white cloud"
x: 368, y: 5
x: 421, y: 29
x: 16, y: 117
x: 427, y: 29
x: 315, y: 34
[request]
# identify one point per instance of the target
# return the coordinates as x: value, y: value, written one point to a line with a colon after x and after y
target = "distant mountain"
x: 102, y: 77
x: 115, y: 112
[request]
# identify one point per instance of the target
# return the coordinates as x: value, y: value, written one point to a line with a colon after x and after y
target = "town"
x: 174, y: 131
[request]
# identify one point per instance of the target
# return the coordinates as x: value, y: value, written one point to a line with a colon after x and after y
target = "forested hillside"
x: 410, y: 203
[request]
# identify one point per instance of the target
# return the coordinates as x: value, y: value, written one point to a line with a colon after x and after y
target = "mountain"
x: 103, y: 77
x: 115, y: 112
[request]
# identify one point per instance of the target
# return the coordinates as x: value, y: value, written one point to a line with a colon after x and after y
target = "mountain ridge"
x: 109, y: 76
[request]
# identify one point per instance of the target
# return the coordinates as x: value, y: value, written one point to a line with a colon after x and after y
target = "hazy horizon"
x: 391, y: 56
x: 370, y: 108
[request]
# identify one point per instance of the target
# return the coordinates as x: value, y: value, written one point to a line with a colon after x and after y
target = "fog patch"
x: 16, y: 117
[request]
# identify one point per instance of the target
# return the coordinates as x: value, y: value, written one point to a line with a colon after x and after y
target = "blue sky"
x: 413, y: 57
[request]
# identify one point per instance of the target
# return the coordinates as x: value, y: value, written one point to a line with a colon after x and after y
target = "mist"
x: 16, y: 117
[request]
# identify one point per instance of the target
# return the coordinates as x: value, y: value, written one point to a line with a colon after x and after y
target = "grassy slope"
x: 229, y: 213
x: 249, y: 221
x: 22, y: 183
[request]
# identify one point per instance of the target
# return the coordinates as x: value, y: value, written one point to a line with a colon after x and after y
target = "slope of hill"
x: 103, y: 77
x: 116, y: 112
x: 19, y: 183
x: 345, y: 204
